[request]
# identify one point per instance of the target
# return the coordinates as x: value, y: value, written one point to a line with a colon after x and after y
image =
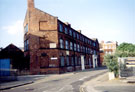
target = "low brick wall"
x: 127, y: 66
x: 130, y: 71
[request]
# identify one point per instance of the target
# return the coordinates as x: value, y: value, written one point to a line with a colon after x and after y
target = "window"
x: 109, y: 47
x: 106, y: 52
x: 74, y: 46
x: 26, y: 28
x: 90, y: 62
x: 95, y: 52
x: 86, y: 61
x: 66, y: 30
x: 90, y: 42
x: 74, y: 34
x: 85, y: 40
x: 61, y: 43
x: 94, y: 44
x: 79, y: 61
x: 78, y: 47
x: 62, y: 61
x: 26, y: 45
x: 60, y: 28
x: 86, y: 50
x: 83, y: 49
x: 67, y: 59
x: 72, y: 61
x: 110, y: 52
x: 66, y: 42
x: 80, y: 37
x: 75, y: 60
x: 71, y: 46
x: 105, y: 47
x: 77, y: 36
x: 70, y: 32
x: 91, y: 51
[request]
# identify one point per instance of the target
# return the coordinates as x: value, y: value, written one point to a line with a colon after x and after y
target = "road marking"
x: 61, y: 89
x: 83, y: 78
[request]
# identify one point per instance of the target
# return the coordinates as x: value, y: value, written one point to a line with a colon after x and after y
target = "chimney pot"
x: 30, y: 4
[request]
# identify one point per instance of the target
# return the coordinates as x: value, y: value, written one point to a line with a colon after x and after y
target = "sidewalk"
x: 29, y: 79
x: 102, y: 84
x: 9, y: 85
x: 21, y: 80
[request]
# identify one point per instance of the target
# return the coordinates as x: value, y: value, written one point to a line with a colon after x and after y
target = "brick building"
x: 53, y: 46
x: 108, y: 47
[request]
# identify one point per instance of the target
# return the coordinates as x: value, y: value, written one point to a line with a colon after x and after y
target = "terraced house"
x: 53, y: 46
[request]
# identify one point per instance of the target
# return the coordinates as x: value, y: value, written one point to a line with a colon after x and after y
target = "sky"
x: 107, y: 20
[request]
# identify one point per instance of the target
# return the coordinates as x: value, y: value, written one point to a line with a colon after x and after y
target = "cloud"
x: 15, y: 28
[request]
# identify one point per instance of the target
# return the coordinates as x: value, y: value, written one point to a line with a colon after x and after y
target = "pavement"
x: 29, y: 79
x: 21, y: 80
x: 103, y: 84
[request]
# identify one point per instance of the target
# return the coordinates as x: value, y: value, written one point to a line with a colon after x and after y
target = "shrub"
x: 111, y: 63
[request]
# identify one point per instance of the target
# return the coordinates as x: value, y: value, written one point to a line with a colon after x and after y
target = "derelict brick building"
x: 55, y: 47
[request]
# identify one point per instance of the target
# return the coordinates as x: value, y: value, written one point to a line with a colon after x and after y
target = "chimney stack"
x: 30, y: 4
x: 79, y: 31
x: 68, y: 24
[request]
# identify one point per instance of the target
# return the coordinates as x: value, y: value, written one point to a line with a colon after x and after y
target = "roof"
x: 11, y: 47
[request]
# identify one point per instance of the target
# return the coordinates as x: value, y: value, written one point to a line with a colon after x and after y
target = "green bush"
x: 111, y: 63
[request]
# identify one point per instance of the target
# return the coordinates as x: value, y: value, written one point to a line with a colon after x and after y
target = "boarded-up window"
x: 43, y: 25
x: 46, y: 25
x: 52, y: 45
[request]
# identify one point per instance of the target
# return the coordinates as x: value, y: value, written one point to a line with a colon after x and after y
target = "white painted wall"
x: 82, y: 62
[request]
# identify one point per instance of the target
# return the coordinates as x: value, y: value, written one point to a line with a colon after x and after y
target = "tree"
x: 125, y: 50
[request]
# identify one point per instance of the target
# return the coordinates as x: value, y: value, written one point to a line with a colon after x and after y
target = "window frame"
x: 26, y: 28
x: 66, y: 30
x: 70, y: 32
x: 71, y: 45
x: 67, y: 61
x: 62, y: 62
x: 66, y: 44
x: 61, y: 43
x: 26, y: 45
x: 74, y: 34
x: 75, y: 49
x: 78, y: 47
x: 60, y: 27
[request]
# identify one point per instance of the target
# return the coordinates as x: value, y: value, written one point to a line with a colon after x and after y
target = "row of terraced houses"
x: 53, y: 46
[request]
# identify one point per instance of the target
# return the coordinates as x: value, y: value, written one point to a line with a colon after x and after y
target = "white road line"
x: 83, y: 78
x: 61, y: 89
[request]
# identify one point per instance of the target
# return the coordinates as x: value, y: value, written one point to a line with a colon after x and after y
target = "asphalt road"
x: 69, y: 82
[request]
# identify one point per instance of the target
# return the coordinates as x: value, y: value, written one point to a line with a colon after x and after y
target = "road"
x: 69, y: 82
